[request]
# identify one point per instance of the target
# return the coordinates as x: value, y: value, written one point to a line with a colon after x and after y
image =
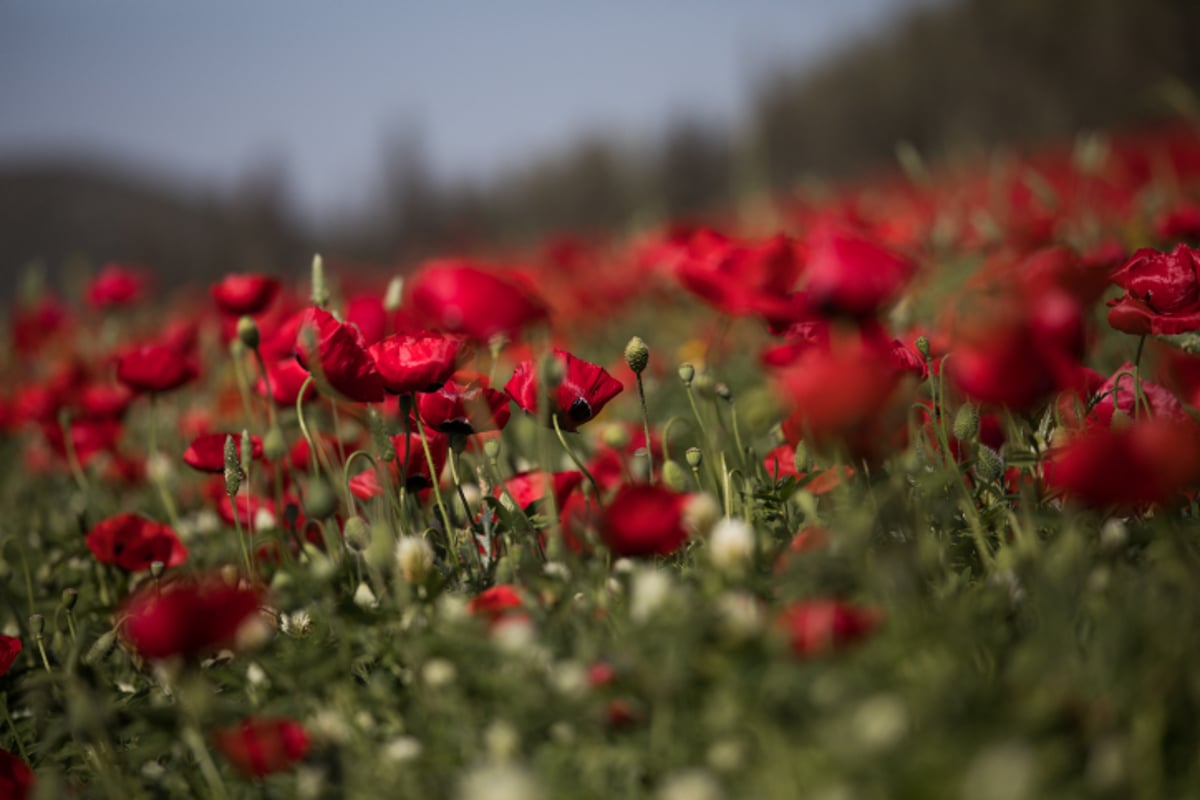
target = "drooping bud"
x: 922, y: 344
x: 357, y: 533
x: 637, y: 354
x: 989, y: 466
x: 801, y: 459
x: 694, y: 457
x: 247, y: 331
x: 274, y: 445
x: 1120, y: 420
x: 616, y: 437
x: 233, y: 470
x: 101, y: 649
x: 724, y: 392
x: 674, y: 477
x: 966, y: 423
x: 319, y: 500
x: 320, y: 291
x: 686, y: 373
x: 69, y: 598
x: 393, y: 298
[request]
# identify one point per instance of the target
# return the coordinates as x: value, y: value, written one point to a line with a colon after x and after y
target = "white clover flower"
x: 499, y: 782
x: 649, y: 591
x: 414, y: 559
x: 731, y: 545
x: 693, y: 784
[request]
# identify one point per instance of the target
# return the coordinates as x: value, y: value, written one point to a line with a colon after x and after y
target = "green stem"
x: 574, y: 458
x: 195, y: 741
x: 12, y: 726
x: 646, y: 429
x: 451, y: 545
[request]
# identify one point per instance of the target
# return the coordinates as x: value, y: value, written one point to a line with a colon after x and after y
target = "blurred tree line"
x: 949, y: 78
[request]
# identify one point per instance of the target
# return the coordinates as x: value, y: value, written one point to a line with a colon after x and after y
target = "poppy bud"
x: 686, y: 373
x: 37, y: 623
x: 358, y: 534
x: 966, y: 423
x: 69, y: 598
x: 319, y: 500
x: 156, y: 569
x: 616, y: 437
x: 637, y: 354
x: 989, y: 466
x: 694, y: 457
x: 491, y: 449
x: 274, y: 445
x: 101, y: 649
x: 674, y: 476
x: 922, y: 345
x: 247, y: 332
x: 1120, y: 420
x: 320, y: 292
x: 393, y: 298
x: 724, y: 392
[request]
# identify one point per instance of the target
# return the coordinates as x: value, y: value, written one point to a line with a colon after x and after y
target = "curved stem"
x: 451, y: 545
x: 562, y: 440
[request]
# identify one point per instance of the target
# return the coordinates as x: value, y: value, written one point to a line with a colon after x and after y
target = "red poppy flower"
x: 156, y: 367
x: 585, y: 389
x: 89, y: 438
x: 115, y: 286
x: 287, y: 379
x: 529, y: 487
x: 258, y: 747
x: 644, y: 520
x: 847, y: 273
x: 458, y: 297
x: 133, y: 543
x: 496, y: 603
x: 16, y: 778
x: 339, y: 356
x: 207, y: 452
x: 817, y: 626
x: 578, y: 516
x: 10, y: 648
x: 1149, y: 461
x: 35, y: 324
x: 781, y: 463
x: 464, y: 406
x: 845, y: 395
x: 366, y: 312
x: 241, y: 294
x: 416, y: 362
x: 1162, y: 293
x: 1162, y: 403
x: 104, y: 400
x: 186, y: 618
x: 740, y: 278
x: 414, y: 472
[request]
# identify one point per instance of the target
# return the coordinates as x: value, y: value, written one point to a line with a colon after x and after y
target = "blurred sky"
x: 207, y: 90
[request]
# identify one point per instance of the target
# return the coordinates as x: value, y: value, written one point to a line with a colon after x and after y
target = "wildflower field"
x: 883, y: 490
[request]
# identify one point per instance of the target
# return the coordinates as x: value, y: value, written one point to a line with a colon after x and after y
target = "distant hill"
x: 949, y: 78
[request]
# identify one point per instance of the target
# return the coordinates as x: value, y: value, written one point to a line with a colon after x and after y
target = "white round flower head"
x: 264, y: 520
x: 402, y: 749
x: 514, y: 634
x: 364, y: 598
x: 499, y: 782
x: 649, y: 590
x: 438, y: 672
x: 731, y: 545
x: 693, y: 784
x: 414, y: 559
x: 700, y: 513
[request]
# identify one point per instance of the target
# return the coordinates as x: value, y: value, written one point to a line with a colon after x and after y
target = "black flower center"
x: 580, y: 410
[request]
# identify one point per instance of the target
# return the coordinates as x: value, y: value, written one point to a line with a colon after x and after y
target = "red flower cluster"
x: 132, y: 543
x: 258, y: 747
x: 187, y: 618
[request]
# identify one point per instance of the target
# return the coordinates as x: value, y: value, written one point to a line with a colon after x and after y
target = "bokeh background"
x: 202, y: 138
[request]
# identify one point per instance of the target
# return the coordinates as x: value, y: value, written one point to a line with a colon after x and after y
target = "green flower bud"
x: 966, y: 423
x: 247, y: 332
x: 274, y: 445
x: 724, y: 392
x: 1120, y: 420
x: 37, y: 624
x: 616, y: 437
x: 101, y: 649
x: 491, y: 449
x: 319, y: 500
x: 922, y: 344
x: 686, y: 373
x: 989, y: 466
x: 320, y: 292
x: 637, y: 354
x: 694, y: 457
x: 801, y: 459
x: 69, y: 598
x: 357, y: 533
x: 156, y: 569
x: 674, y: 476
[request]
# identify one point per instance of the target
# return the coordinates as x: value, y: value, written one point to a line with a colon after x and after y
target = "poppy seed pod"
x: 247, y: 331
x: 637, y: 354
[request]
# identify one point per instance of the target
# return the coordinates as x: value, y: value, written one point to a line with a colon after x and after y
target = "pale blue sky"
x: 206, y: 90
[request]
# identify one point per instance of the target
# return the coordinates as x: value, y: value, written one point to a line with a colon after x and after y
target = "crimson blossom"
x: 258, y: 747
x: 133, y: 543
x: 585, y: 389
x: 186, y: 617
x: 416, y: 362
x: 465, y: 406
x: 459, y: 297
x: 644, y: 520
